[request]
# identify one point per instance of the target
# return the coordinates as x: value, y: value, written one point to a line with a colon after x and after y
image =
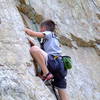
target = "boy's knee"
x: 33, y: 49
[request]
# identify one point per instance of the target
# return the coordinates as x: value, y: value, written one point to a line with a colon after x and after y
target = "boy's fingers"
x: 25, y: 29
x: 31, y: 42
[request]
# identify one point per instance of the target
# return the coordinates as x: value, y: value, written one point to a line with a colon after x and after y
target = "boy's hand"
x: 31, y: 42
x: 25, y: 29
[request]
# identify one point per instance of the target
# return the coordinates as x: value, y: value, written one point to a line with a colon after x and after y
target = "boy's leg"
x: 40, y: 57
x: 63, y: 94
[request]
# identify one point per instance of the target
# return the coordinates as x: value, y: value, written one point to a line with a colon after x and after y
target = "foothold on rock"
x: 0, y: 20
x: 98, y: 15
x: 1, y: 65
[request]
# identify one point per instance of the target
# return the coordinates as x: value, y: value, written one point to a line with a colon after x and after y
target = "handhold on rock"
x: 0, y: 21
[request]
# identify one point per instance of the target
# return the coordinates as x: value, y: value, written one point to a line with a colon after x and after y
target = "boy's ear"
x: 43, y: 28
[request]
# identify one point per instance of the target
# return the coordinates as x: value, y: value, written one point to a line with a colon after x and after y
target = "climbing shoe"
x: 47, y: 77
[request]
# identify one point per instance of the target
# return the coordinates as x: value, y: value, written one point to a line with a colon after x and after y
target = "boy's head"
x: 47, y: 25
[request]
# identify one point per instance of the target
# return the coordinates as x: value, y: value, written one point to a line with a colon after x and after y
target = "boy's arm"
x: 33, y: 33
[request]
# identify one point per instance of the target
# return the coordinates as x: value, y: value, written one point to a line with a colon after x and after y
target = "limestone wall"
x: 79, y: 32
x: 17, y: 72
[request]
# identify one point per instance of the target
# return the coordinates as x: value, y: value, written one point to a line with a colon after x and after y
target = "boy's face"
x: 42, y: 28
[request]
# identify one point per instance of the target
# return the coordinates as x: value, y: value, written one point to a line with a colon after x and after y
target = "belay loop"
x: 67, y: 62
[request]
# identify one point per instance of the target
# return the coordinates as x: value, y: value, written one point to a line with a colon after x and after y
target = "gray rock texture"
x: 17, y: 71
x: 78, y: 29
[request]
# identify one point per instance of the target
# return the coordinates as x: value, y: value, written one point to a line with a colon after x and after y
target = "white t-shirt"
x: 51, y: 43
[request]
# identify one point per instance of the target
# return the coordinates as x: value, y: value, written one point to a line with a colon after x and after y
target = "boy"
x: 50, y: 57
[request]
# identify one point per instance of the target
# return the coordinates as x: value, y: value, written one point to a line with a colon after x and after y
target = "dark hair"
x: 49, y: 24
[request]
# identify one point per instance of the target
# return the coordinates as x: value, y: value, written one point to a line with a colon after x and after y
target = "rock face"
x: 79, y: 28
x: 17, y: 74
x: 79, y: 32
